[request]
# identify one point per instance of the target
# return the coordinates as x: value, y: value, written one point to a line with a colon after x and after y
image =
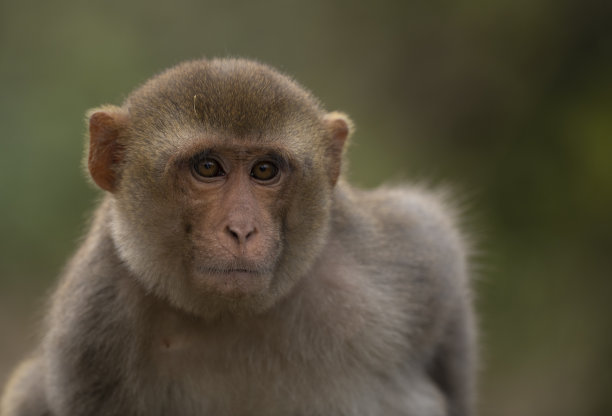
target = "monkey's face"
x: 221, y: 176
x: 223, y: 224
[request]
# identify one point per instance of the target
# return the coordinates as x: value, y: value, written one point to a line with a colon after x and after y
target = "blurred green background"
x: 509, y: 101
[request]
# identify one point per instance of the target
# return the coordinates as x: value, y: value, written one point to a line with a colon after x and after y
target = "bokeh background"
x: 508, y: 101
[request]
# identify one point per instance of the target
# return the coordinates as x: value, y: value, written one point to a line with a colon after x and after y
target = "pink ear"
x: 340, y: 128
x: 105, y: 152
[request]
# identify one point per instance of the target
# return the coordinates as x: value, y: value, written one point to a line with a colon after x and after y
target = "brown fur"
x: 235, y: 296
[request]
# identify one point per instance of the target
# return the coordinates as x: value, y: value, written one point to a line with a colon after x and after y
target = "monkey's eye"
x: 208, y: 168
x: 264, y: 171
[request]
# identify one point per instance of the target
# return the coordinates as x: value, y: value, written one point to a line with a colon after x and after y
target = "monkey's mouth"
x: 241, y: 271
x: 233, y: 282
x: 231, y: 270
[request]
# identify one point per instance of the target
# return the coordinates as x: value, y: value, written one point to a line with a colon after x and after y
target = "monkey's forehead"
x: 228, y: 94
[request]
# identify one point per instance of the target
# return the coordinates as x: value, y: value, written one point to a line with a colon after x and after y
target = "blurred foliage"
x: 509, y: 101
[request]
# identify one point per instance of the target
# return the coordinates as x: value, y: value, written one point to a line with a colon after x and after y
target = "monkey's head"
x: 220, y: 175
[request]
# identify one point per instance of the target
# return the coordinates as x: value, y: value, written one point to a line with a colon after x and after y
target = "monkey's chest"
x: 238, y: 378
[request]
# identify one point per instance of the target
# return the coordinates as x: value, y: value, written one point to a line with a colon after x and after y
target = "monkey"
x: 231, y: 269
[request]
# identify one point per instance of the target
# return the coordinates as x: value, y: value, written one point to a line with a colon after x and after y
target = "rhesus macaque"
x: 230, y: 270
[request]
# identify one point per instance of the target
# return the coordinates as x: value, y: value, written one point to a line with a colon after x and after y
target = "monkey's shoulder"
x: 403, y: 248
x: 403, y: 220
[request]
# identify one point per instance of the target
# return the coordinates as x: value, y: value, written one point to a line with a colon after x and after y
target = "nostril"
x: 233, y: 233
x: 249, y: 234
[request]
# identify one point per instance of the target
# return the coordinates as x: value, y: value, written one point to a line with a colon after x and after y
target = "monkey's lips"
x: 234, y: 281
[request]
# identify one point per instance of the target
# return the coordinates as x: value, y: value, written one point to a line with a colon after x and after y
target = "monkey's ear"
x: 105, y: 152
x: 340, y: 127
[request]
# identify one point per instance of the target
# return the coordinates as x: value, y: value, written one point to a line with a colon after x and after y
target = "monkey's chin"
x: 232, y: 283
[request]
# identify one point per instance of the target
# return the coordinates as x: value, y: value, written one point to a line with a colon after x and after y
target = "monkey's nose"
x: 240, y: 233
